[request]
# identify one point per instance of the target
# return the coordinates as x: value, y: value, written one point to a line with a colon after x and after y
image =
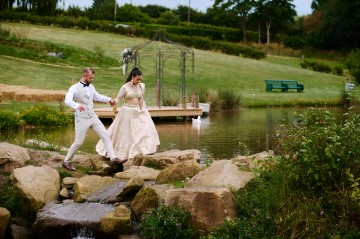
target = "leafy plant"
x: 318, y: 150
x: 43, y: 115
x: 9, y: 120
x: 10, y: 198
x: 166, y: 222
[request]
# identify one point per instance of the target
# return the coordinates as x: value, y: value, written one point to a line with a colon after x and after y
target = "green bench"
x: 284, y: 85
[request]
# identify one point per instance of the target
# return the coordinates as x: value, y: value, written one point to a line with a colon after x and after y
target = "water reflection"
x: 217, y: 136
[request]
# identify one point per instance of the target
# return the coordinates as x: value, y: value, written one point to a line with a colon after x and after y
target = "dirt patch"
x: 23, y: 93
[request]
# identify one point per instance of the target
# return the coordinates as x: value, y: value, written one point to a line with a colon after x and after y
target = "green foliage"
x: 9, y: 120
x: 168, y: 18
x: 99, y: 51
x: 355, y: 186
x: 222, y: 100
x: 318, y: 150
x: 311, y: 190
x: 43, y: 115
x: 166, y: 222
x: 229, y: 100
x: 130, y: 13
x: 353, y: 64
x: 10, y: 198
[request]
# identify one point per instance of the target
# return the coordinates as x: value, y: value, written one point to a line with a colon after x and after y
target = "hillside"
x: 212, y: 70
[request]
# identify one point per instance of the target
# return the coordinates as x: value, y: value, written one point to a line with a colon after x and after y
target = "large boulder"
x: 11, y: 157
x: 70, y: 220
x: 209, y: 207
x: 90, y: 184
x: 178, y: 172
x: 167, y: 158
x: 4, y: 222
x: 221, y: 173
x: 38, y: 185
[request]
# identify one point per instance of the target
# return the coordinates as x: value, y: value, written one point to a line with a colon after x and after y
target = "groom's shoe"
x: 118, y: 161
x: 68, y: 165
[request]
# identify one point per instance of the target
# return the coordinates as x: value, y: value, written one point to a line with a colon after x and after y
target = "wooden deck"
x: 164, y: 111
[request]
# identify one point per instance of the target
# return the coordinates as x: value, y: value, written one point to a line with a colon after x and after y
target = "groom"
x: 81, y: 97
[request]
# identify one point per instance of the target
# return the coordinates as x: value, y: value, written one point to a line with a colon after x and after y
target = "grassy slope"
x: 212, y: 70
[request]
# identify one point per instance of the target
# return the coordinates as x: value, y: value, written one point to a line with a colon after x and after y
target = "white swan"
x: 196, y: 120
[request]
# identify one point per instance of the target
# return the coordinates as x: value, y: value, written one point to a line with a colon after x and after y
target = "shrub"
x: 166, y: 222
x: 43, y: 115
x: 8, y: 120
x: 10, y: 198
x: 352, y: 62
x: 317, y: 150
x: 229, y: 100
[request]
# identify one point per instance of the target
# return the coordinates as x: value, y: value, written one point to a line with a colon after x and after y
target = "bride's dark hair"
x: 134, y: 72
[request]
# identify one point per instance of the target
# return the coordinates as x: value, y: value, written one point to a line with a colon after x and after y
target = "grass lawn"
x: 212, y: 70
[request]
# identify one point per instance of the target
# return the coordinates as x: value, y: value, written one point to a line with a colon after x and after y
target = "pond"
x: 217, y: 136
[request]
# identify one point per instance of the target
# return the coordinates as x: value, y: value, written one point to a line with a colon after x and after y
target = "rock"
x: 11, y: 157
x: 132, y: 187
x: 208, y: 206
x: 107, y: 194
x: 39, y: 185
x: 90, y: 184
x: 165, y: 159
x: 44, y: 157
x: 178, y: 172
x: 64, y: 193
x: 20, y: 232
x: 4, y: 222
x: 69, y: 182
x: 221, y: 173
x: 144, y: 173
x: 252, y: 161
x: 118, y: 221
x: 149, y: 197
x: 69, y: 219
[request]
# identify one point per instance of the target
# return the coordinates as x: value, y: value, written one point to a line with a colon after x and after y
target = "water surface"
x: 217, y: 137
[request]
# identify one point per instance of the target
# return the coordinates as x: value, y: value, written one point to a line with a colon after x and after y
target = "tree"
x: 103, y: 10
x: 278, y: 12
x: 169, y: 18
x: 337, y: 24
x: 241, y: 8
x: 130, y: 13
x: 154, y: 11
x: 6, y: 5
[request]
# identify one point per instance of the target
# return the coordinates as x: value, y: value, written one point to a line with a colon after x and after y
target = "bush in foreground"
x: 310, y: 189
x: 166, y: 222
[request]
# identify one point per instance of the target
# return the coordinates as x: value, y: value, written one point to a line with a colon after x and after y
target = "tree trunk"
x: 259, y: 33
x: 268, y: 25
x: 244, y: 30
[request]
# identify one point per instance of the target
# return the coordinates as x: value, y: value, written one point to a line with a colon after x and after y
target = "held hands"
x: 112, y: 102
x: 81, y: 108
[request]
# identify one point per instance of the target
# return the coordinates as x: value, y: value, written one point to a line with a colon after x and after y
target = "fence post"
x: 184, y: 103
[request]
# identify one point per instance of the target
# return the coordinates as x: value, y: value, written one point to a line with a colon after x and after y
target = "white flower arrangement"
x: 126, y: 55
